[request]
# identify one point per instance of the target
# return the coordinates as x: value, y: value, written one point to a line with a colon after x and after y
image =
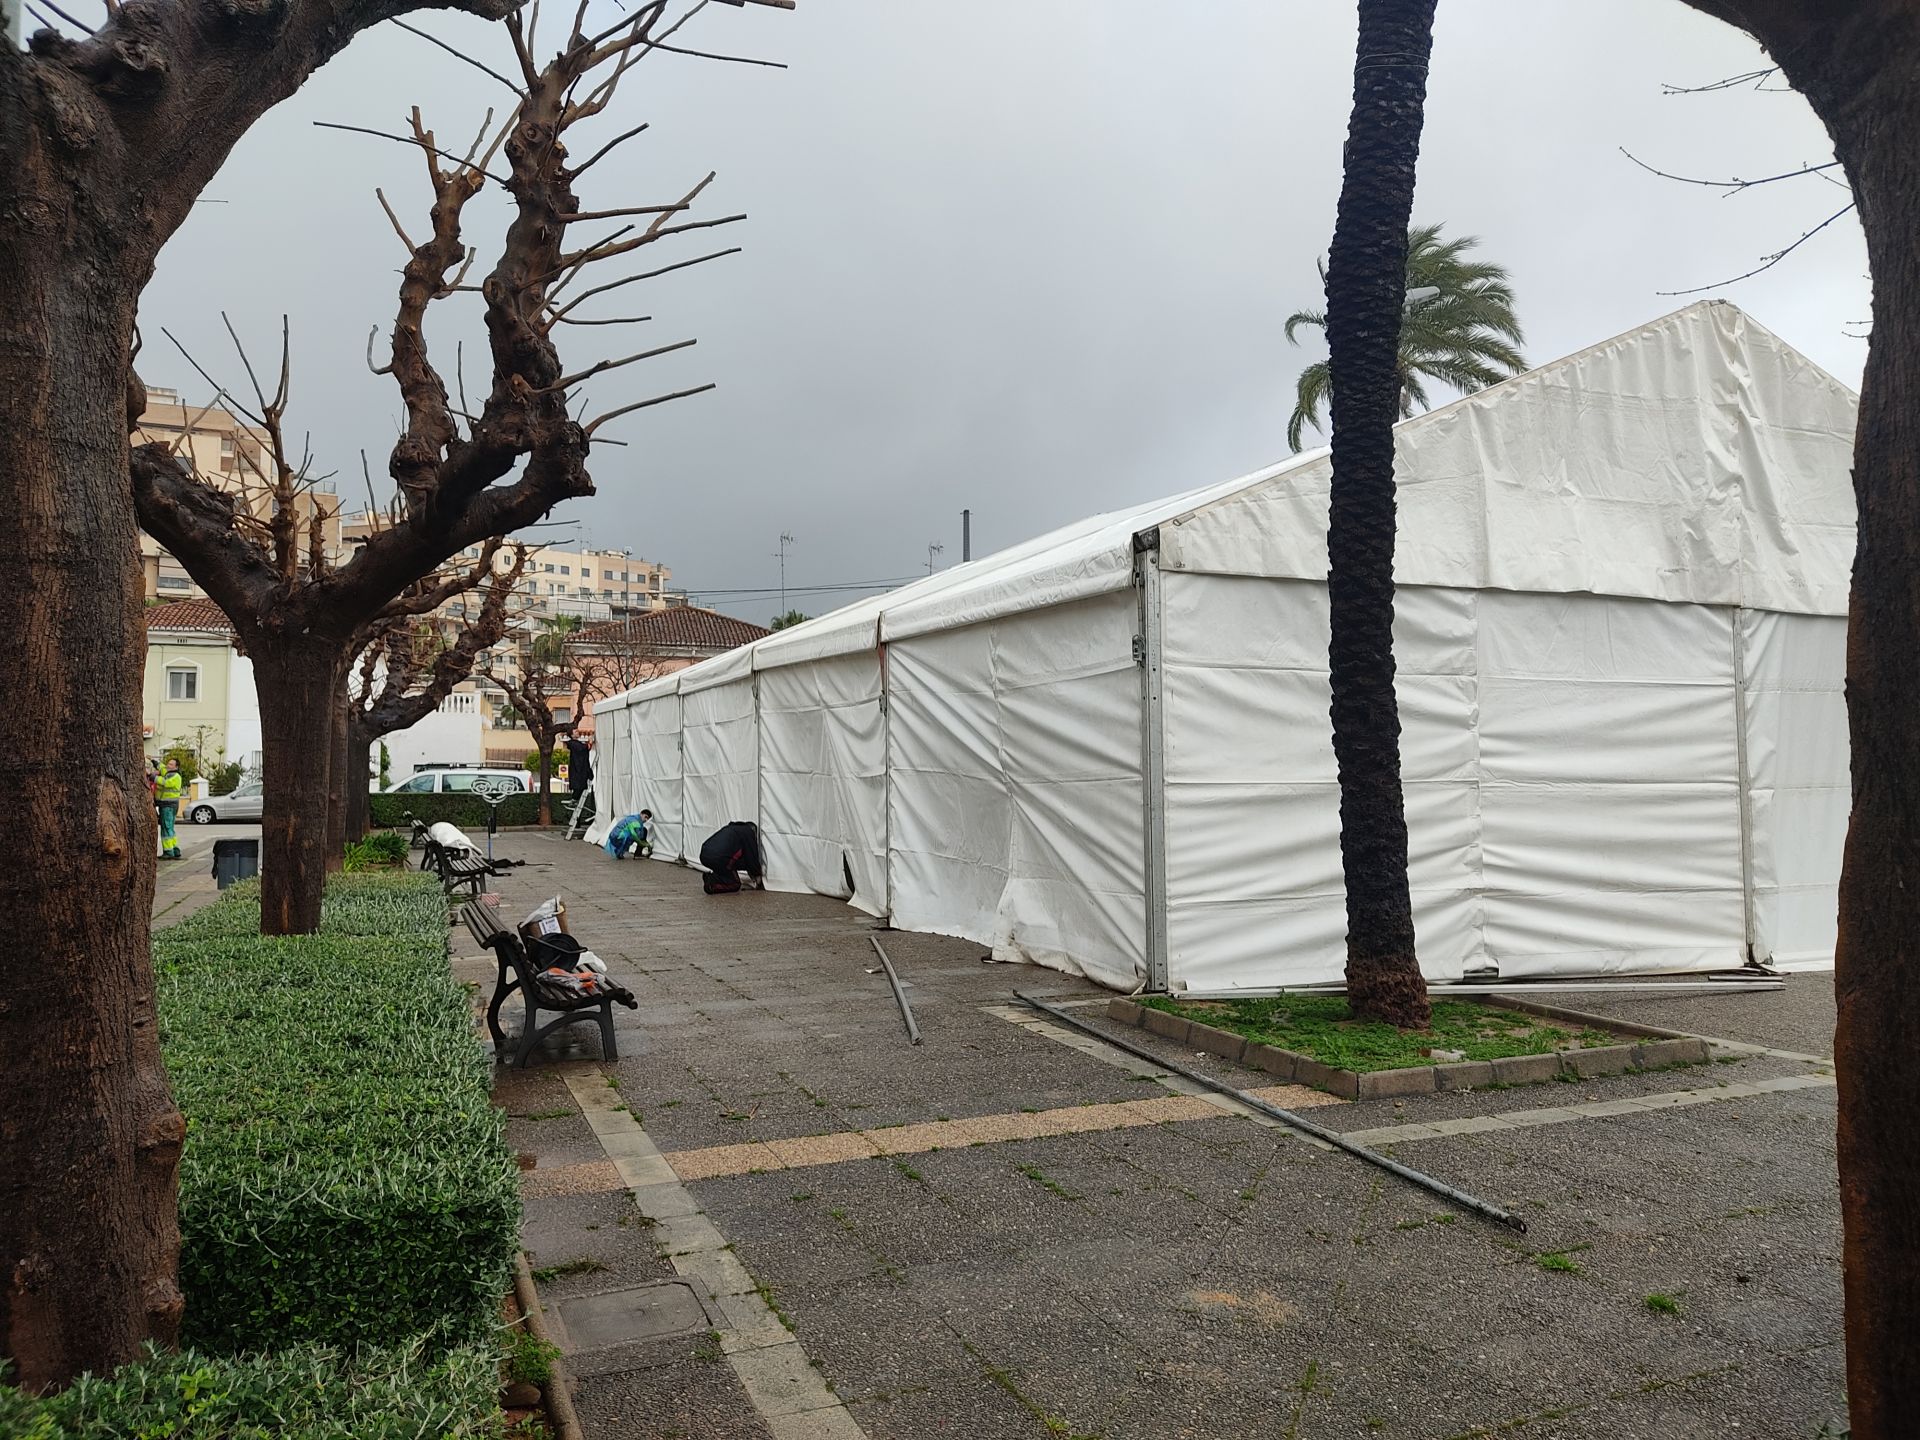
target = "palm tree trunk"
x: 1366, y: 295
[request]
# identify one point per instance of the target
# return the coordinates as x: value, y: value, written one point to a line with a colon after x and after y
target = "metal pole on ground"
x: 906, y: 1011
x: 1287, y: 1117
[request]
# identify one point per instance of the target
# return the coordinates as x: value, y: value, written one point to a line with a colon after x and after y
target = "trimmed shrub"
x: 369, y: 903
x: 469, y: 812
x: 385, y: 849
x: 304, y: 1394
x: 345, y: 1178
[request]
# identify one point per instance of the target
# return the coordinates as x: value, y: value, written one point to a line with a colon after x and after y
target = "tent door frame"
x: 1153, y: 752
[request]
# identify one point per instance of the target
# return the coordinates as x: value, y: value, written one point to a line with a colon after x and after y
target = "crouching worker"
x: 632, y: 836
x: 732, y: 848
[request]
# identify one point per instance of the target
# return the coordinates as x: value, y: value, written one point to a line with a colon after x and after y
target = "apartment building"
x: 199, y: 688
x: 229, y: 452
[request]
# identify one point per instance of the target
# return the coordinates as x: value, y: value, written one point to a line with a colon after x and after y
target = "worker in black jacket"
x: 732, y: 848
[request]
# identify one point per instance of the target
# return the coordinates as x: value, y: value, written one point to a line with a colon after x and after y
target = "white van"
x: 455, y: 780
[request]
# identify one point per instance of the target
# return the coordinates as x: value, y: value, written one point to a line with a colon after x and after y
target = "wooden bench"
x: 519, y: 972
x: 457, y: 866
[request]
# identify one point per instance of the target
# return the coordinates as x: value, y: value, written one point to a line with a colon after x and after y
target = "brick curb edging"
x: 1658, y: 1049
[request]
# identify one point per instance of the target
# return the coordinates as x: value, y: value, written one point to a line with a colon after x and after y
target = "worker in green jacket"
x: 166, y: 799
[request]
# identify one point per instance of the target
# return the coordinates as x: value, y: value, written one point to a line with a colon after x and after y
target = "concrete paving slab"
x: 659, y: 1311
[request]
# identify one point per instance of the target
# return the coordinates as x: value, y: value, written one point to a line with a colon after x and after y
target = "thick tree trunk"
x: 1366, y: 294
x: 546, y: 783
x: 89, y: 1134
x: 358, y: 782
x: 1861, y: 79
x: 337, y: 787
x: 299, y: 695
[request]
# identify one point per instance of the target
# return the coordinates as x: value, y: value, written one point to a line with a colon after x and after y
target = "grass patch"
x: 1663, y: 1304
x: 560, y: 1112
x: 530, y: 1359
x: 547, y: 1274
x: 1558, y: 1262
x: 1321, y: 1026
x: 1046, y: 1181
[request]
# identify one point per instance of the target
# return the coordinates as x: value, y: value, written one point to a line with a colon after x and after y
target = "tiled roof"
x: 677, y: 628
x: 200, y: 614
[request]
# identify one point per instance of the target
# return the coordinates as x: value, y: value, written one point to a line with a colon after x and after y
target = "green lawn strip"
x: 306, y: 1393
x: 1321, y: 1026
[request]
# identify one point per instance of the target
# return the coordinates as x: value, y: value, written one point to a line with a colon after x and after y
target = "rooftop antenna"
x: 786, y: 539
x: 933, y: 550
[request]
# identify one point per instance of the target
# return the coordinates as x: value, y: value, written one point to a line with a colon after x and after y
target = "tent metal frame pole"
x: 1153, y: 753
x: 1745, y: 782
x: 886, y: 785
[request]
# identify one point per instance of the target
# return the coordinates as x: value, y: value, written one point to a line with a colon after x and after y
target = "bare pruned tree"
x: 406, y: 668
x: 549, y: 673
x: 461, y: 477
x: 108, y: 134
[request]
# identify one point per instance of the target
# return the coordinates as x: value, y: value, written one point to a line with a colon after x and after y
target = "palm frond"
x: 1314, y: 388
x: 1312, y: 319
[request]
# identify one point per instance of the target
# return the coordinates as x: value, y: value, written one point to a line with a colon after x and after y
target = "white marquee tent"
x: 1620, y: 638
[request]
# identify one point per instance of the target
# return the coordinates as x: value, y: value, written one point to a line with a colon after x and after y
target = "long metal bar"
x: 906, y: 1010
x: 1287, y: 1117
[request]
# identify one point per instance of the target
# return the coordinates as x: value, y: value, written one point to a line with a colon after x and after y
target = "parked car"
x: 242, y: 804
x: 454, y: 781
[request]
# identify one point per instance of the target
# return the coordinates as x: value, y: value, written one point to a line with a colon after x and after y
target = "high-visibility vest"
x: 167, y: 791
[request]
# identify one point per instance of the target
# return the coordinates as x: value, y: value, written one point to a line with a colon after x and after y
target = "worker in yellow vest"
x: 166, y: 799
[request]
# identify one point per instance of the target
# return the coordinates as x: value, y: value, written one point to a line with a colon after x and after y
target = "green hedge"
x: 301, y: 1394
x: 345, y: 1178
x: 381, y: 903
x: 469, y: 812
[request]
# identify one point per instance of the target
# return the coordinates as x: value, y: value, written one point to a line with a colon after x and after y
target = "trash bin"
x: 234, y: 860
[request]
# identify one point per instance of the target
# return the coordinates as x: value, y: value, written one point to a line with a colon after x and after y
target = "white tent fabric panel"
x: 1254, y: 890
x: 1609, y: 793
x: 1015, y: 803
x: 1697, y: 459
x: 720, y: 756
x: 611, y: 755
x: 657, y: 781
x: 1800, y: 788
x: 823, y: 766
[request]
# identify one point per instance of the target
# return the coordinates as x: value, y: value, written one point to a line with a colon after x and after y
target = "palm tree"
x: 1465, y: 336
x: 1367, y: 270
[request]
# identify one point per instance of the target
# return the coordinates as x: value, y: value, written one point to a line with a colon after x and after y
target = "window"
x: 458, y: 783
x: 175, y: 582
x: 566, y: 569
x: 183, y: 682
x: 563, y: 714
x: 546, y: 569
x: 419, y: 785
x: 226, y: 444
x: 606, y: 574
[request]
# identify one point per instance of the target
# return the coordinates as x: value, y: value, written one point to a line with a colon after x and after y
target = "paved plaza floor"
x: 772, y: 1216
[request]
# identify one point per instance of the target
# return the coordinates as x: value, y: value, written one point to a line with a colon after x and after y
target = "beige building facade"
x: 228, y: 452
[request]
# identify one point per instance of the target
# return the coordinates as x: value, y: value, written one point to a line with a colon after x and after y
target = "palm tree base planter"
x: 1586, y: 1052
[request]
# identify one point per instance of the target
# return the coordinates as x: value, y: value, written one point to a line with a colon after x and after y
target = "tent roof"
x: 1697, y: 458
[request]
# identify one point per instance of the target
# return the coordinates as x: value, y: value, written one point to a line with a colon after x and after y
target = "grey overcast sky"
x: 1025, y: 256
